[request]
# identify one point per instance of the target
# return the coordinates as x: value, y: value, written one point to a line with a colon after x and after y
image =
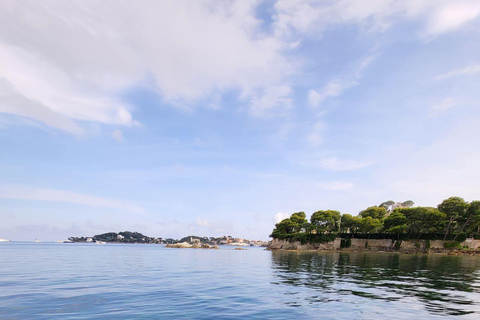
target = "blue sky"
x: 221, y: 117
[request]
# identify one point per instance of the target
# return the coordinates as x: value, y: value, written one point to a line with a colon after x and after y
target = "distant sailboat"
x: 36, y: 240
x: 4, y: 240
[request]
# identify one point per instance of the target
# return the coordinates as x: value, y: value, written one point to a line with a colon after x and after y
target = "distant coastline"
x: 136, y: 237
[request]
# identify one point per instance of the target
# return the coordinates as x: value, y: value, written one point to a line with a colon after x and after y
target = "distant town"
x: 136, y: 237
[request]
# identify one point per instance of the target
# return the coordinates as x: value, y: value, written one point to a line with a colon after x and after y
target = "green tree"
x: 471, y: 221
x: 374, y: 212
x: 453, y: 208
x: 432, y: 220
x: 286, y: 226
x: 408, y: 203
x: 369, y: 224
x: 308, y: 227
x: 325, y: 220
x: 387, y: 204
x: 422, y: 219
x: 299, y: 219
x: 349, y: 223
x: 395, y: 223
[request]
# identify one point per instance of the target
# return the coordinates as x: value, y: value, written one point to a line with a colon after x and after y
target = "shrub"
x: 398, y: 244
x: 452, y: 245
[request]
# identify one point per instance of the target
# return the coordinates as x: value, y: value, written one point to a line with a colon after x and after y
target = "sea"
x: 146, y: 281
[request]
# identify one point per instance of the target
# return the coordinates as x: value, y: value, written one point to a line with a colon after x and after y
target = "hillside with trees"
x: 453, y: 219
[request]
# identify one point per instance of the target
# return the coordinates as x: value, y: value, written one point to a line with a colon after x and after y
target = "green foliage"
x: 299, y: 219
x: 369, y: 224
x: 387, y: 204
x: 395, y: 223
x: 454, y: 208
x: 326, y: 221
x: 452, y: 245
x: 397, y: 245
x: 470, y: 222
x: 304, y: 238
x: 422, y: 219
x: 408, y: 203
x: 374, y: 212
x: 454, y: 219
x: 349, y: 223
x: 345, y: 243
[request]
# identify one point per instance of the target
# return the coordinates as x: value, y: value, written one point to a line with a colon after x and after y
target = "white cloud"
x: 273, y: 98
x: 205, y: 226
x: 70, y: 63
x: 336, y: 164
x: 313, y: 17
x: 443, y: 106
x: 203, y: 222
x: 117, y: 135
x: 335, y: 186
x: 315, y: 136
x: 338, y: 86
x: 280, y: 216
x: 332, y: 89
x: 451, y: 15
x: 471, y: 70
x: 42, y: 194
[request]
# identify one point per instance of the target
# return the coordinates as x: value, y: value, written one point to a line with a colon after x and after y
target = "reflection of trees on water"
x: 443, y: 284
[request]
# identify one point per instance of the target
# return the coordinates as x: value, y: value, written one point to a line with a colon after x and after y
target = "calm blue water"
x: 88, y: 281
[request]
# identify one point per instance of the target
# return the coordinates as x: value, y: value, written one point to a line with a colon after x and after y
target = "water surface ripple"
x: 88, y: 281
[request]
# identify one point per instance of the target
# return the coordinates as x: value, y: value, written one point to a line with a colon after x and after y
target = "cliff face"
x: 388, y: 245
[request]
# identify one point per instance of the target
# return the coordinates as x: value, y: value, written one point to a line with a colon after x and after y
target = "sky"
x: 211, y: 118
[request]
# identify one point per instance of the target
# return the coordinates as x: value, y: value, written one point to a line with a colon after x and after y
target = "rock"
x: 179, y: 245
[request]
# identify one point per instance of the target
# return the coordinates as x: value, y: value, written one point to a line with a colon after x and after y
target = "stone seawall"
x: 387, y: 245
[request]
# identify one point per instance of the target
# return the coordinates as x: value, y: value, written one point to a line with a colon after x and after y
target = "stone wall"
x: 407, y: 246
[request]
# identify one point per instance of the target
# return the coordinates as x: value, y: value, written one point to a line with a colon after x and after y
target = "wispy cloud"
x: 443, y: 106
x: 273, y: 101
x: 315, y: 137
x: 314, y: 17
x: 335, y: 185
x: 216, y: 227
x: 53, y: 195
x: 336, y: 164
x: 117, y: 135
x: 279, y: 216
x: 337, y: 87
x: 471, y: 70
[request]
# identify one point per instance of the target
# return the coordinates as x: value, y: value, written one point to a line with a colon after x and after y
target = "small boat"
x: 100, y: 242
x: 37, y: 241
x: 4, y: 240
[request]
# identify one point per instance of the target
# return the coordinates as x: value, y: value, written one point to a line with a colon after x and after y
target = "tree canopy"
x: 452, y: 216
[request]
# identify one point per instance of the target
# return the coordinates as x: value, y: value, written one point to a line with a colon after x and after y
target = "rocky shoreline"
x: 467, y: 247
x: 185, y: 245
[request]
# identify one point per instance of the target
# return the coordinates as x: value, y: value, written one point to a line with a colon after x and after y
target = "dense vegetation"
x: 453, y: 219
x: 121, y: 237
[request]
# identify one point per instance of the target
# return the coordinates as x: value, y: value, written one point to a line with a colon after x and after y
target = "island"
x: 450, y: 228
x: 121, y: 237
x: 185, y: 242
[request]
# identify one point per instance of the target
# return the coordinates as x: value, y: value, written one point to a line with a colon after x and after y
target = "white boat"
x: 36, y: 240
x: 4, y: 240
x: 100, y: 242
